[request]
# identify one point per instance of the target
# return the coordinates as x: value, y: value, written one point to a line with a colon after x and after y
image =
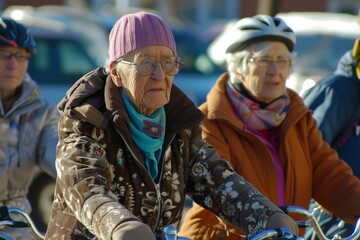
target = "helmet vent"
x: 264, y: 22
x: 277, y: 21
x: 250, y: 28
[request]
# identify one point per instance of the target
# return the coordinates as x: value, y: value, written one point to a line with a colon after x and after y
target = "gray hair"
x: 237, y: 61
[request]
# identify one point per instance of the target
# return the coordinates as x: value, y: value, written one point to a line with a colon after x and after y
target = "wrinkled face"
x: 266, y: 76
x: 12, y: 70
x: 147, y: 93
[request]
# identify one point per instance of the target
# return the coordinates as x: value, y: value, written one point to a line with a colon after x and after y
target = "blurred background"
x: 72, y: 39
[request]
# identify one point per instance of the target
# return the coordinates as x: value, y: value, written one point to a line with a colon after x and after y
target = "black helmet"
x: 259, y: 27
x: 15, y: 34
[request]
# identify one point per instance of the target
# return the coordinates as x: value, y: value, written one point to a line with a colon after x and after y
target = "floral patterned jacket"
x: 102, y: 180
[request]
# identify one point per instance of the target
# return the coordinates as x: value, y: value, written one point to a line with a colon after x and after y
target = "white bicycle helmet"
x: 259, y: 28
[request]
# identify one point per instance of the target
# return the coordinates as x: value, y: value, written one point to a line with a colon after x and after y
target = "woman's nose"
x: 273, y: 68
x: 11, y: 62
x: 158, y: 73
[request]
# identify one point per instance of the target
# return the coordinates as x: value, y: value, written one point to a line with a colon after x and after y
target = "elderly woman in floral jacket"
x: 131, y: 149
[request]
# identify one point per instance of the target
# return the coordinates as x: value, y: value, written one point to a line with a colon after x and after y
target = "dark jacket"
x: 103, y: 182
x: 335, y: 101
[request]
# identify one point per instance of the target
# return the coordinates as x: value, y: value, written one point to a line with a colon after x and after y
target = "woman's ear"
x: 115, y: 75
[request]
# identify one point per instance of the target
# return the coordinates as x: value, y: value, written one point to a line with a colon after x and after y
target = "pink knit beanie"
x: 142, y: 29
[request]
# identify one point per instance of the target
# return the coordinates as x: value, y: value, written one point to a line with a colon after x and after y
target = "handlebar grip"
x: 6, y: 219
x: 169, y: 233
x: 18, y: 224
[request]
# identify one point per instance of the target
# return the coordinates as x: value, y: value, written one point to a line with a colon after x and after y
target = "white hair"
x: 237, y: 62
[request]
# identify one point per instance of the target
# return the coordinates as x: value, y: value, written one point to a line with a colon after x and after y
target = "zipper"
x: 156, y: 185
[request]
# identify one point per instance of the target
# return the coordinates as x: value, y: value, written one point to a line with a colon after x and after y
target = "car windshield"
x: 318, y: 54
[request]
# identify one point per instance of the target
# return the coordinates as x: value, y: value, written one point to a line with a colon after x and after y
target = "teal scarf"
x: 148, y: 134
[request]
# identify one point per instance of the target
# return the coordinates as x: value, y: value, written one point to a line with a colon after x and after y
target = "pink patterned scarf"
x: 250, y: 113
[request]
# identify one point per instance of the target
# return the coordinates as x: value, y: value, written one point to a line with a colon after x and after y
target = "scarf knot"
x: 255, y: 116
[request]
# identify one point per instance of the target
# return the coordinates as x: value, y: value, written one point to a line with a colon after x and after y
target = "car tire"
x: 41, y: 196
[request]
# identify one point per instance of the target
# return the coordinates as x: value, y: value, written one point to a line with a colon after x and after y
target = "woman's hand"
x: 133, y: 230
x: 279, y: 219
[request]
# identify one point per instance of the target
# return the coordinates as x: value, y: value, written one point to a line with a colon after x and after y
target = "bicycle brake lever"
x: 6, y: 219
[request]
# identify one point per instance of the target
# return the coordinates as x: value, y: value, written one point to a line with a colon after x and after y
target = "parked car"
x: 321, y: 39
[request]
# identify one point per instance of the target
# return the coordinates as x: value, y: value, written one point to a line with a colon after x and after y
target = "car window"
x: 320, y: 53
x: 73, y: 59
x: 59, y: 61
x: 39, y: 58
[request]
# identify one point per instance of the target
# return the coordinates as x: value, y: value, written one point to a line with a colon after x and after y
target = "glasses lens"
x: 263, y: 62
x: 281, y: 63
x: 21, y: 56
x: 266, y: 62
x: 168, y: 65
x: 149, y: 65
x: 5, y: 55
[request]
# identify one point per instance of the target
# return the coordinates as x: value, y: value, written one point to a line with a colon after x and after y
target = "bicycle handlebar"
x: 5, y: 220
x: 280, y: 233
x: 315, y: 224
x: 170, y: 233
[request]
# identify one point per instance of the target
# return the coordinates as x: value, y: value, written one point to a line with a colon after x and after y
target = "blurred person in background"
x: 335, y: 101
x: 131, y: 148
x: 28, y: 125
x: 267, y: 133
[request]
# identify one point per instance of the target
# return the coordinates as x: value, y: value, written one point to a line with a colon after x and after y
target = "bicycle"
x: 313, y: 222
x: 5, y: 220
x: 328, y: 223
x: 169, y: 232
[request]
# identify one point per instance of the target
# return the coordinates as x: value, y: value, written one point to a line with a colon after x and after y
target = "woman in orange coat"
x: 267, y: 133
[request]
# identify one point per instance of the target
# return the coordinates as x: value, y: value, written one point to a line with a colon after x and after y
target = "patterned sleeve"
x: 214, y: 185
x: 84, y: 177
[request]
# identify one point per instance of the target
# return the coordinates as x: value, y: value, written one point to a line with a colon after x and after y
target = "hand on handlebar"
x: 133, y: 230
x: 279, y: 233
x: 280, y: 220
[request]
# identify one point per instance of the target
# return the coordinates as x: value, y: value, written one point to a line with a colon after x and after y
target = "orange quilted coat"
x: 312, y: 169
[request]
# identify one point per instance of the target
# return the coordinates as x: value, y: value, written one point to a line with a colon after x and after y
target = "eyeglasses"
x: 19, y: 56
x: 147, y: 66
x: 265, y: 62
